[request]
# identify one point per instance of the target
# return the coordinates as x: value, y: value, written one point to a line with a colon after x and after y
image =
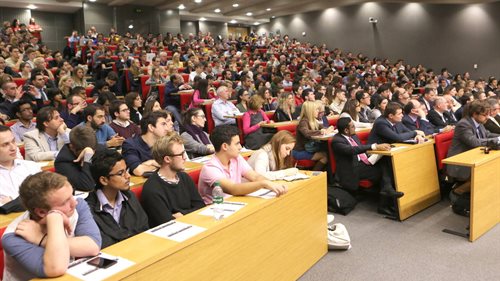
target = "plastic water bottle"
x: 218, y: 199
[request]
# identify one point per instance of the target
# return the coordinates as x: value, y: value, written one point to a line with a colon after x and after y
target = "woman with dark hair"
x: 252, y: 119
x: 105, y: 99
x: 269, y: 101
x: 351, y: 109
x: 379, y: 108
x: 196, y: 141
x: 339, y: 100
x: 242, y: 99
x: 134, y: 103
x: 201, y: 93
x: 55, y: 96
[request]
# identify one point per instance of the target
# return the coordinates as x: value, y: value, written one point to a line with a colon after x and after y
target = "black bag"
x: 340, y: 201
x: 461, y: 206
x: 12, y: 206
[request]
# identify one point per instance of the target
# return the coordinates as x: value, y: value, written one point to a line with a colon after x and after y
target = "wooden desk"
x: 415, y: 174
x: 329, y: 136
x: 485, y: 188
x: 277, y: 239
x: 5, y: 220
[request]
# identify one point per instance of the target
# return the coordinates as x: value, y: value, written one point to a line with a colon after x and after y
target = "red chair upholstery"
x: 127, y: 80
x: 333, y: 121
x: 19, y: 81
x: 161, y: 93
x: 186, y: 99
x: 210, y: 119
x: 270, y: 115
x: 195, y: 175
x: 185, y: 76
x: 144, y: 87
x: 2, y: 230
x: 239, y: 123
x: 305, y: 164
x: 22, y: 150
x: 137, y: 191
x: 88, y: 91
x: 363, y: 136
x: 292, y: 128
x: 442, y: 142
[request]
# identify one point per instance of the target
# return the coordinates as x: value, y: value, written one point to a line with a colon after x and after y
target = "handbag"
x: 338, y: 237
x: 312, y: 146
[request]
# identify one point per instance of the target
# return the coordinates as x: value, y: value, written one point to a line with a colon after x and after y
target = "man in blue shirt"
x: 95, y: 118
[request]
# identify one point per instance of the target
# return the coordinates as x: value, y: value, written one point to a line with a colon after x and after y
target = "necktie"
x: 44, y: 96
x: 361, y: 156
x: 479, y: 134
x: 417, y: 123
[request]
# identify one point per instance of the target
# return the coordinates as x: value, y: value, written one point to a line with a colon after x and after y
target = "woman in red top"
x: 35, y: 29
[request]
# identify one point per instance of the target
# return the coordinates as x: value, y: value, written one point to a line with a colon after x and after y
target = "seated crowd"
x: 86, y: 110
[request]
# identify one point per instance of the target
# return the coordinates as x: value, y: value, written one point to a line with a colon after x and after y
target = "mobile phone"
x: 26, y: 88
x: 101, y: 262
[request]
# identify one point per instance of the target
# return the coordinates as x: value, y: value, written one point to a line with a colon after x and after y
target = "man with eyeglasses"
x: 364, y: 101
x: 115, y: 208
x: 169, y: 193
x: 121, y: 123
x: 12, y: 94
x: 23, y: 109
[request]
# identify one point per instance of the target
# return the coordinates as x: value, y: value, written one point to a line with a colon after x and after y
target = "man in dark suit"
x: 439, y: 116
x: 415, y: 119
x: 470, y: 133
x: 352, y: 161
x: 389, y: 129
x: 493, y: 122
x: 428, y: 98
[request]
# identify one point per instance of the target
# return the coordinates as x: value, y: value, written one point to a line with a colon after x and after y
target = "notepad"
x: 176, y: 231
x: 229, y: 209
x: 84, y: 271
x: 297, y: 176
x: 263, y: 193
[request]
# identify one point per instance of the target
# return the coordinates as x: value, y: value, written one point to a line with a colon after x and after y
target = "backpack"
x: 340, y: 201
x: 461, y: 204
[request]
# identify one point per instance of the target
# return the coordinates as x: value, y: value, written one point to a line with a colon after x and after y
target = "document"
x: 86, y: 269
x: 176, y: 231
x: 297, y: 176
x: 43, y: 163
x: 228, y: 207
x: 263, y: 193
x: 201, y: 160
x: 397, y: 148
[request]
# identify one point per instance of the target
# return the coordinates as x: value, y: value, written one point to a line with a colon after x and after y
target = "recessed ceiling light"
x: 273, y: 17
x: 217, y: 11
x: 32, y: 7
x: 197, y: 1
x: 236, y: 5
x: 256, y: 23
x: 92, y: 0
x: 268, y: 9
x: 233, y: 21
x: 182, y: 7
x: 203, y: 19
x: 249, y: 14
x: 131, y: 26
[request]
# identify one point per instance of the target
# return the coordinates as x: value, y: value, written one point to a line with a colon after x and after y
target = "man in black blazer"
x: 389, y: 129
x: 428, y: 98
x: 352, y: 161
x: 439, y: 116
x: 415, y: 119
x: 470, y: 133
x: 493, y: 122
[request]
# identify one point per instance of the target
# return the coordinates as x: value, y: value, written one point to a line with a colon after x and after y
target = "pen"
x: 90, y: 271
x: 266, y: 193
x: 162, y: 226
x: 229, y: 210
x: 179, y: 231
x: 235, y: 203
x: 77, y: 262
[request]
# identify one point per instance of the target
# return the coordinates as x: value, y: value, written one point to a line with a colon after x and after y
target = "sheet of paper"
x: 176, y: 231
x: 244, y: 149
x: 397, y: 148
x: 84, y: 271
x: 228, y: 207
x: 201, y: 159
x: 297, y: 176
x: 263, y: 193
x: 43, y: 163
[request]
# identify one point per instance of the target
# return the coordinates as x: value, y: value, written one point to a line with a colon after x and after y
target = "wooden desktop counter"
x: 485, y: 188
x: 415, y: 174
x: 276, y: 239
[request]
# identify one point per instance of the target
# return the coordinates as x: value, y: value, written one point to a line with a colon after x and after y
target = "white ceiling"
x: 194, y: 11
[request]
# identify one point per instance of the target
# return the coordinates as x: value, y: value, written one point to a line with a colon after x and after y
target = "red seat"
x: 239, y: 122
x: 333, y: 121
x: 88, y: 91
x: 186, y: 99
x: 305, y: 164
x: 185, y: 76
x: 270, y: 115
x: 19, y: 81
x: 442, y: 142
x: 2, y: 230
x: 138, y: 192
x: 144, y: 87
x: 292, y: 128
x: 161, y: 93
x: 195, y: 175
x: 363, y: 136
x: 22, y: 150
x: 210, y: 119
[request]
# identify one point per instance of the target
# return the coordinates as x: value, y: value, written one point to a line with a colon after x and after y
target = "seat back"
x: 333, y: 121
x: 144, y: 87
x: 363, y: 136
x: 210, y: 119
x: 331, y: 157
x: 186, y: 99
x: 292, y: 128
x: 442, y: 142
x: 2, y: 230
x: 195, y: 175
x: 137, y: 192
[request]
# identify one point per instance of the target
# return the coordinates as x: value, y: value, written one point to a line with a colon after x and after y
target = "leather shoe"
x: 386, y: 211
x: 391, y: 193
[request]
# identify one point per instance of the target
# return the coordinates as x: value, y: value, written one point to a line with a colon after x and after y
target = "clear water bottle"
x: 218, y: 199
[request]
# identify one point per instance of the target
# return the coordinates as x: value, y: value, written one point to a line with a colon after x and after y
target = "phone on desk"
x: 101, y: 262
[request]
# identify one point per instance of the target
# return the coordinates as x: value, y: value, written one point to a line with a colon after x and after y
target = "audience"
x: 169, y: 193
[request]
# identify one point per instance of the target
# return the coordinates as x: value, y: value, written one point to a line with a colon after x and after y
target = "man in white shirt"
x: 13, y: 171
x: 222, y: 107
x: 198, y: 71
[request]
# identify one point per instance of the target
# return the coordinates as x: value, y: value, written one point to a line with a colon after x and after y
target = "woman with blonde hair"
x: 176, y: 60
x: 306, y: 148
x: 252, y: 121
x: 286, y: 108
x: 65, y: 85
x: 274, y: 160
x: 79, y: 77
x: 154, y: 80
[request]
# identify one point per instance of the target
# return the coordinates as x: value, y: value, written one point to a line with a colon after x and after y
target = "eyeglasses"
x: 125, y: 110
x: 121, y: 173
x: 201, y: 116
x: 182, y: 154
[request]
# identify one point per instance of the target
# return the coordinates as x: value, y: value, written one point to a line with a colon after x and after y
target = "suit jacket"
x: 423, y: 101
x: 491, y: 126
x: 384, y: 132
x: 436, y: 120
x: 423, y: 125
x: 37, y: 148
x: 464, y: 139
x: 346, y: 157
x: 78, y: 175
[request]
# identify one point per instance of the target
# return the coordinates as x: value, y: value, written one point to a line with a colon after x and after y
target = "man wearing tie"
x: 439, y: 116
x: 428, y: 98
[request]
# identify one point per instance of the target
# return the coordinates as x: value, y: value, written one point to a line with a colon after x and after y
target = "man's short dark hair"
x: 408, y: 108
x: 223, y: 134
x: 112, y: 76
x: 4, y: 128
x: 343, y: 123
x: 305, y: 93
x: 384, y: 88
x: 91, y: 110
x: 81, y: 137
x: 45, y: 114
x: 103, y: 162
x: 391, y: 108
x: 77, y: 90
x: 16, y: 107
x: 477, y: 107
x: 151, y: 119
x: 114, y: 107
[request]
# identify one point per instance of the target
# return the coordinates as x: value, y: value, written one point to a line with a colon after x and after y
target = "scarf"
x: 197, y: 133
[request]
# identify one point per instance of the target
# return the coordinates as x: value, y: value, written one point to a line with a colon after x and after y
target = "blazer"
x: 464, y: 139
x: 436, y: 120
x: 423, y: 101
x: 384, y: 132
x: 423, y: 125
x: 491, y: 126
x: 347, y: 160
x: 37, y: 147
